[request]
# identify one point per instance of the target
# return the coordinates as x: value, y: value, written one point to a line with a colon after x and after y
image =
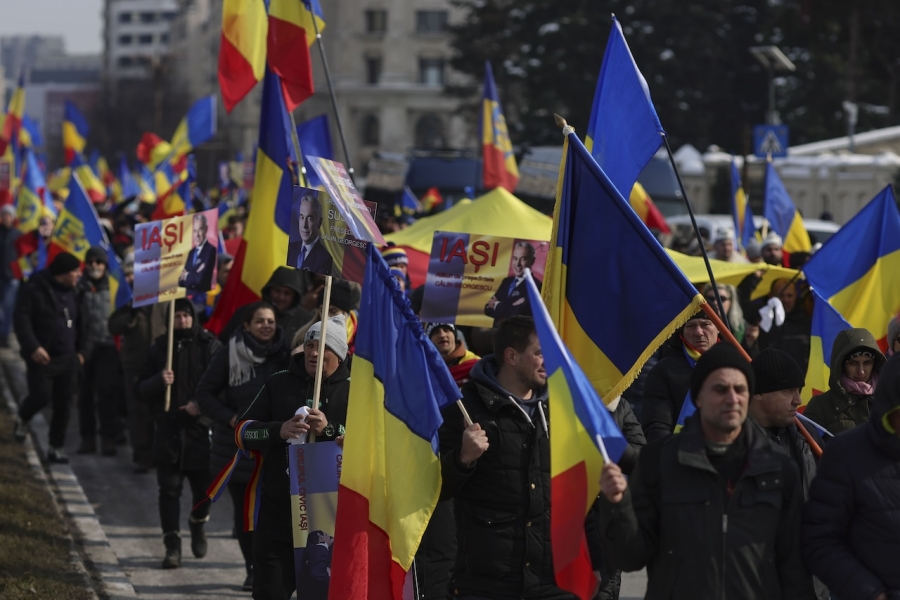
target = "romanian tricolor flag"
x: 744, y: 230
x: 166, y: 183
x: 15, y: 113
x: 33, y: 197
x: 613, y: 293
x: 581, y: 428
x: 783, y: 216
x: 646, y: 210
x: 431, y: 199
x: 826, y: 324
x: 291, y: 34
x: 624, y: 131
x: 242, y: 50
x: 74, y: 132
x: 197, y: 126
x: 30, y: 133
x: 77, y: 229
x: 858, y: 269
x: 96, y: 191
x: 499, y: 163
x: 146, y: 186
x: 265, y: 243
x: 152, y: 149
x: 391, y: 476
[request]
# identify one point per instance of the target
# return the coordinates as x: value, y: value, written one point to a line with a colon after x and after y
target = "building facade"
x: 135, y: 36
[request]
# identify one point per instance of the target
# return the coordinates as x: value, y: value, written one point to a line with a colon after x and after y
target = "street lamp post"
x: 773, y: 60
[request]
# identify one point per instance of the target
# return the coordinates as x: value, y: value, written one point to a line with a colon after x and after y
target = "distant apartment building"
x: 135, y: 36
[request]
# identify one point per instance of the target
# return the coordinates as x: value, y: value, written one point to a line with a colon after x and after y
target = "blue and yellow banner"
x: 315, y: 471
x: 479, y: 280
x: 175, y: 257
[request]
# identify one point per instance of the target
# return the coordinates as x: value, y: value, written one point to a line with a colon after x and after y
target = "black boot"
x: 173, y: 550
x: 198, y: 536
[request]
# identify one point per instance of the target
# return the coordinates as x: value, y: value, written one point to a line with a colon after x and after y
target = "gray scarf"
x: 241, y: 362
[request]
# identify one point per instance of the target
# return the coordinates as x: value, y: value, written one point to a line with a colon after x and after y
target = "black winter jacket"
x: 179, y: 438
x: 674, y: 520
x: 94, y: 305
x: 290, y: 320
x: 278, y: 401
x: 851, y: 525
x: 665, y: 389
x: 221, y: 402
x: 36, y: 314
x: 133, y: 324
x: 502, y: 502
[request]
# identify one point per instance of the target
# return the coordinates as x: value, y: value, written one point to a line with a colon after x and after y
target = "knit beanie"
x: 394, y: 255
x: 720, y: 356
x: 335, y: 335
x: 431, y: 327
x: 776, y: 370
x: 96, y: 253
x: 184, y: 305
x: 341, y: 295
x: 64, y: 263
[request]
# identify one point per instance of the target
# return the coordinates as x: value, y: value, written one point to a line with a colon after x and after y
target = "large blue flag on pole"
x: 624, y: 131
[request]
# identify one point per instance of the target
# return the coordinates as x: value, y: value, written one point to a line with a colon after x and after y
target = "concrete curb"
x: 89, y: 550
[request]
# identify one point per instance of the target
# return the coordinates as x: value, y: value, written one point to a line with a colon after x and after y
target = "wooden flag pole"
x: 320, y: 362
x: 170, y: 348
x: 729, y: 337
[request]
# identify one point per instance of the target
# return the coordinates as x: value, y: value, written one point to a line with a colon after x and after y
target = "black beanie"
x: 341, y: 296
x: 64, y: 263
x: 776, y: 370
x: 96, y: 253
x: 720, y: 356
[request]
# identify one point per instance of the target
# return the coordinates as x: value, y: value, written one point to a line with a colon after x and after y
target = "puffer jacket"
x: 94, y: 304
x: 675, y: 520
x: 278, y: 401
x: 838, y: 410
x: 289, y: 320
x: 222, y: 402
x: 851, y: 524
x: 502, y: 502
x: 178, y: 438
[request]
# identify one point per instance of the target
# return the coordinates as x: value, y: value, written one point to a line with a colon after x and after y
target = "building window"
x: 431, y: 21
x: 431, y: 71
x: 125, y: 17
x: 371, y: 131
x: 147, y: 17
x: 164, y: 38
x: 125, y: 40
x: 124, y: 61
x: 145, y: 39
x: 168, y: 15
x: 373, y: 70
x: 430, y: 132
x: 376, y: 21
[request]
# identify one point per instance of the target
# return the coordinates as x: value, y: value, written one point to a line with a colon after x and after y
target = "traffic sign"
x: 770, y: 140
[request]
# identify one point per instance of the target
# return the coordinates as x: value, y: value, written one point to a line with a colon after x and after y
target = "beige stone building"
x: 389, y: 62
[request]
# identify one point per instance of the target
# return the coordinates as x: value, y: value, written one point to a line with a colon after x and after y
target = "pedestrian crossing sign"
x: 770, y: 140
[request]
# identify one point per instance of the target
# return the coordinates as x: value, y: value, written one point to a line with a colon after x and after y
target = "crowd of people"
x: 739, y: 500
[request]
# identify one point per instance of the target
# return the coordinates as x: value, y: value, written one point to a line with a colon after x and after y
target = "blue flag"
x: 624, y: 131
x: 315, y: 140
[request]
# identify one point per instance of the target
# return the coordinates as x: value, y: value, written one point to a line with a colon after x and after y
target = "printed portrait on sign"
x: 200, y: 266
x: 305, y: 249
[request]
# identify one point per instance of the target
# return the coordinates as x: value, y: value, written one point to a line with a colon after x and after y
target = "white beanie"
x: 771, y: 239
x: 335, y: 335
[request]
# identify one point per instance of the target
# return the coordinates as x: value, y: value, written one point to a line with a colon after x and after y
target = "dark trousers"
x: 171, y: 481
x: 274, y: 577
x: 101, y: 388
x: 245, y: 538
x: 140, y: 422
x: 48, y: 384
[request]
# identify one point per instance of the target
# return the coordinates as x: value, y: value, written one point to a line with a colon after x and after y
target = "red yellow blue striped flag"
x: 499, y: 167
x: 582, y: 435
x: 291, y: 34
x: 613, y: 293
x: 744, y: 229
x: 858, y: 269
x: 391, y: 476
x: 15, y: 113
x: 74, y: 132
x: 826, y: 324
x: 782, y: 215
x: 242, y: 49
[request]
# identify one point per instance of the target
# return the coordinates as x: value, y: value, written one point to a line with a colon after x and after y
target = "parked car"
x: 683, y: 231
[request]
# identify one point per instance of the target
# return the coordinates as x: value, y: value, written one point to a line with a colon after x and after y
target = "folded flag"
x: 646, y: 210
x: 291, y: 33
x: 826, y: 324
x: 783, y: 216
x: 242, y: 49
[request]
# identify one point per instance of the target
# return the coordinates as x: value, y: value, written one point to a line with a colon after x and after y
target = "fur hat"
x: 720, y: 356
x: 64, y: 263
x: 776, y: 370
x: 335, y: 335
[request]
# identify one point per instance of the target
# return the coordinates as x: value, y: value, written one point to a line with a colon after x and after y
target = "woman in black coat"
x: 234, y: 377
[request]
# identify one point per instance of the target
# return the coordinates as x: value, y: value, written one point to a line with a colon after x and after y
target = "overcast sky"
x: 80, y: 22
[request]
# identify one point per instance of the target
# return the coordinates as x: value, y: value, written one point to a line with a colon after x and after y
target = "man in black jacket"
x: 181, y: 438
x: 851, y: 524
x: 498, y: 472
x: 101, y: 386
x: 714, y: 511
x: 273, y: 422
x: 50, y: 331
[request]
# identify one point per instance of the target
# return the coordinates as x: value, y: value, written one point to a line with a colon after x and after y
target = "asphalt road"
x: 126, y: 506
